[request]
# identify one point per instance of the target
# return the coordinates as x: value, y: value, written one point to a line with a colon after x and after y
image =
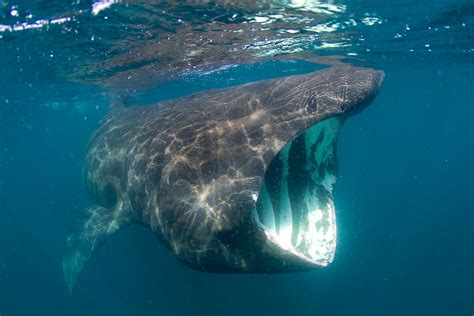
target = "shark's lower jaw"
x: 295, y: 206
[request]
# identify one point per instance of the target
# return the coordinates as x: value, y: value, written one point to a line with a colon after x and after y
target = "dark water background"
x: 404, y: 201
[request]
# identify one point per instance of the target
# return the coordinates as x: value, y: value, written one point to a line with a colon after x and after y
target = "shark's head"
x: 294, y: 209
x: 264, y: 197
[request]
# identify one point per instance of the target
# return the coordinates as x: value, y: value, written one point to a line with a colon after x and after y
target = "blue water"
x: 404, y: 195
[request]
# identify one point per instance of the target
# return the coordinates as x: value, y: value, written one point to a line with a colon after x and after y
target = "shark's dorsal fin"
x: 117, y: 102
x: 98, y: 224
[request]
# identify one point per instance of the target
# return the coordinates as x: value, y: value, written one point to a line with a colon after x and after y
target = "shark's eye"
x: 295, y: 206
x: 312, y: 103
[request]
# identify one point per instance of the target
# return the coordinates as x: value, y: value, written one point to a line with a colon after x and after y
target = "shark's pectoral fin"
x: 92, y: 231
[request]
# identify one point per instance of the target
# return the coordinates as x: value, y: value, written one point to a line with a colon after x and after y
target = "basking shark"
x: 231, y: 180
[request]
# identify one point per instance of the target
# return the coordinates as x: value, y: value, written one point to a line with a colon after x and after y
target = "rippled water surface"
x: 127, y: 43
x: 405, y: 189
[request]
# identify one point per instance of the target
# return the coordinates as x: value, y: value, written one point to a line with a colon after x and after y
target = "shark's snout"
x: 360, y: 88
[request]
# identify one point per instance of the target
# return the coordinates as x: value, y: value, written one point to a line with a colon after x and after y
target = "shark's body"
x: 231, y: 180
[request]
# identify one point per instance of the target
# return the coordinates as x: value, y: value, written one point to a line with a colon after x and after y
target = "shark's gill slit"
x: 295, y: 206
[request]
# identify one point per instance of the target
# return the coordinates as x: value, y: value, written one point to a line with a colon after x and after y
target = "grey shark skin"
x: 231, y: 180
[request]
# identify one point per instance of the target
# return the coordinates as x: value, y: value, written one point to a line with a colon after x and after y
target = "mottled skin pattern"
x: 190, y: 169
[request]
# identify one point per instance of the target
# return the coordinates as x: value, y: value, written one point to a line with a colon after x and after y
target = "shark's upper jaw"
x: 294, y: 206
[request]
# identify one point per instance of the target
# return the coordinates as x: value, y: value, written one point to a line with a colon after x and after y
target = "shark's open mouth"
x: 295, y: 206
